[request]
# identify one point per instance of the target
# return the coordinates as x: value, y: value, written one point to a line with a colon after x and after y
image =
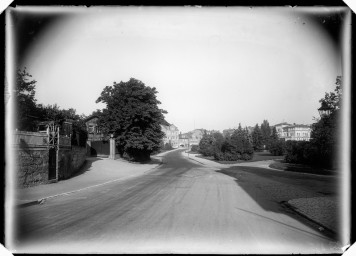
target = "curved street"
x: 179, y: 207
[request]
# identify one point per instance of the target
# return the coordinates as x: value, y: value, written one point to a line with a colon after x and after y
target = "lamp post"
x: 324, y: 110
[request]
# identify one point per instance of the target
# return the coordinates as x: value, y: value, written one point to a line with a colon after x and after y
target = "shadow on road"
x: 271, y: 189
x: 86, y: 166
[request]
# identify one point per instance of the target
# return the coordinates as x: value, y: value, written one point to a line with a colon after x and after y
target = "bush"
x: 301, y: 152
x: 195, y: 148
x: 167, y: 146
x: 277, y: 147
x: 246, y: 156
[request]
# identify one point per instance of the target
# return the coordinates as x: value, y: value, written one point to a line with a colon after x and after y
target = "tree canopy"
x: 325, y: 132
x: 133, y: 117
x: 25, y: 101
x: 257, y: 139
x: 266, y: 133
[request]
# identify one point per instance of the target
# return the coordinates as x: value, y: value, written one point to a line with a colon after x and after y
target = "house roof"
x: 90, y: 118
x: 297, y: 125
x: 284, y: 123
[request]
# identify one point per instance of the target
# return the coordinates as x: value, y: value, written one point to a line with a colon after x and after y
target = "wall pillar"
x: 112, y: 148
x: 88, y: 148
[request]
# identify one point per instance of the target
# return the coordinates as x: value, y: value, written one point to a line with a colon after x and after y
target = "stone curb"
x: 42, y: 200
x: 295, y: 209
x: 195, y: 160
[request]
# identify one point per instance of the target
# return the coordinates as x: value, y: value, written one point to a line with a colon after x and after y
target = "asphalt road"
x: 181, y: 207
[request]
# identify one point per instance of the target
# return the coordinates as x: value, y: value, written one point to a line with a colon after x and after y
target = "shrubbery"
x: 308, y: 152
x: 167, y: 146
x: 277, y: 147
x: 195, y: 148
x: 238, y: 146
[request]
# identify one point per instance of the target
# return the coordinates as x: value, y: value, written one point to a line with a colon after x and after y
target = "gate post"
x: 112, y: 147
x: 57, y: 154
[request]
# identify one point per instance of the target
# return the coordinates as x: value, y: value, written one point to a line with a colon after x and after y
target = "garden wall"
x: 31, y: 158
x: 70, y: 161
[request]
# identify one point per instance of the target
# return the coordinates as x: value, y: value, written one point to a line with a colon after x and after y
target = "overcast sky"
x: 213, y: 67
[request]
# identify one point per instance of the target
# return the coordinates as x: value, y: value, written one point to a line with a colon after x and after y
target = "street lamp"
x: 324, y: 110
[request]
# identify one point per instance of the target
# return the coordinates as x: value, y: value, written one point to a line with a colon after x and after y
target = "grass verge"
x: 281, y: 165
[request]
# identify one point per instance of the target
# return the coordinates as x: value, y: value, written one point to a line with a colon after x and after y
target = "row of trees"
x: 238, y: 146
x: 30, y: 114
x: 265, y: 137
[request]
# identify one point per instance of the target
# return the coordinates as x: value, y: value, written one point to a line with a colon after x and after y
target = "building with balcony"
x: 297, y: 132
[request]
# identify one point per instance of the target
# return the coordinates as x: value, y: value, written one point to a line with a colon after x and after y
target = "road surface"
x: 181, y: 207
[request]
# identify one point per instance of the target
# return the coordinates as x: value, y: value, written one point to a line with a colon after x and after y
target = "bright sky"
x: 213, y: 67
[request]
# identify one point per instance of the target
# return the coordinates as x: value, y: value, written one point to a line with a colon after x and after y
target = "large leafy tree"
x: 25, y: 101
x: 325, y: 132
x: 133, y: 117
x: 333, y: 99
x: 211, y: 143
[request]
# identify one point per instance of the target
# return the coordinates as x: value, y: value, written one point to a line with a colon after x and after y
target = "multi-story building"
x: 298, y: 132
x: 228, y: 132
x: 196, y: 136
x: 191, y: 138
x: 279, y: 129
x: 171, y: 135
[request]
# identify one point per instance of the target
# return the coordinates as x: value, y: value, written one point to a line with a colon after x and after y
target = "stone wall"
x: 32, y: 158
x: 32, y: 167
x: 70, y: 161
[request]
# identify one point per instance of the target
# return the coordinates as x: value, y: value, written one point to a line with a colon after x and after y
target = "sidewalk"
x: 321, y: 210
x: 261, y: 164
x: 97, y: 171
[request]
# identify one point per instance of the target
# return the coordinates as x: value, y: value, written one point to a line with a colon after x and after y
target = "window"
x: 91, y: 129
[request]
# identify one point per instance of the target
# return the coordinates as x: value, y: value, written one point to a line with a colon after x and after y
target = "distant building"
x: 94, y: 133
x: 279, y: 129
x: 191, y: 138
x: 97, y: 143
x: 184, y: 139
x: 297, y: 132
x: 171, y: 135
x: 228, y: 132
x: 196, y: 136
x: 250, y: 129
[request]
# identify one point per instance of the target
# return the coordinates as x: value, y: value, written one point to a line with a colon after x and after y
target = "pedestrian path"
x: 261, y: 164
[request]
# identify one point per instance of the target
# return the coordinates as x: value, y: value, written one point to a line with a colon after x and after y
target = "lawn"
x: 281, y: 165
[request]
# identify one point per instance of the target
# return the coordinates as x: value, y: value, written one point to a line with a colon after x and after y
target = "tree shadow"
x: 85, y: 167
x: 271, y: 190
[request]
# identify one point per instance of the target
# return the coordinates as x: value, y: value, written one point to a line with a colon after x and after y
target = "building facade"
x: 191, y: 138
x: 297, y: 132
x: 279, y: 128
x: 97, y: 143
x: 171, y: 135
